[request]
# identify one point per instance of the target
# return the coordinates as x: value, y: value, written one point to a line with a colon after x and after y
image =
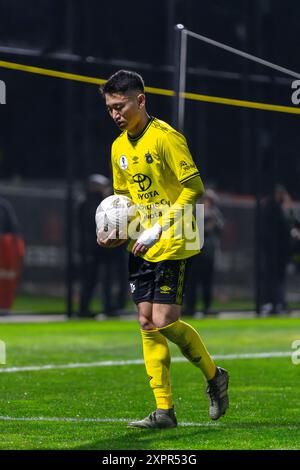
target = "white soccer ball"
x: 114, y: 213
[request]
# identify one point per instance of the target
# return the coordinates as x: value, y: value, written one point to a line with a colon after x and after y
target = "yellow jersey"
x: 150, y: 169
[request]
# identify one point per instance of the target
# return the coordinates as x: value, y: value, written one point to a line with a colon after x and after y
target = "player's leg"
x: 192, y: 347
x: 167, y: 307
x: 155, y: 347
x: 156, y: 357
x: 157, y: 363
x: 166, y: 317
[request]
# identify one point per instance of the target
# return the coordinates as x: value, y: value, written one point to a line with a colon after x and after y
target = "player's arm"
x: 192, y: 190
x: 177, y: 156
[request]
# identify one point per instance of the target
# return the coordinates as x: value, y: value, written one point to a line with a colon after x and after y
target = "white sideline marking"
x: 77, y: 365
x: 90, y: 420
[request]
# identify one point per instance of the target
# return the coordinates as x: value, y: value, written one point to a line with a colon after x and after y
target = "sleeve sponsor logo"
x: 186, y: 167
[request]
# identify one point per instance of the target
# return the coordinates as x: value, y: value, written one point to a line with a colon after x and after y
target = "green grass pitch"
x: 87, y: 407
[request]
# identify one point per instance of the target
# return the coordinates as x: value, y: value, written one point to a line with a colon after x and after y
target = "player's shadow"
x: 141, y: 439
x: 260, y: 424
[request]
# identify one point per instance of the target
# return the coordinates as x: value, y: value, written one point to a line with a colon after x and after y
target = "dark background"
x: 45, y: 118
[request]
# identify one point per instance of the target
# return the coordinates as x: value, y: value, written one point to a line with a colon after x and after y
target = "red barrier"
x: 11, y: 256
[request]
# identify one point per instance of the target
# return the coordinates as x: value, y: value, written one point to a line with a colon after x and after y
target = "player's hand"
x: 111, y: 241
x: 148, y: 238
x: 139, y: 248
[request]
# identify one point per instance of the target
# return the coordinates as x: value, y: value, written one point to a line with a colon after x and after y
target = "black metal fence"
x: 41, y: 209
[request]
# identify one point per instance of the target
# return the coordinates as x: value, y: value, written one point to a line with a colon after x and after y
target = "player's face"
x: 125, y: 110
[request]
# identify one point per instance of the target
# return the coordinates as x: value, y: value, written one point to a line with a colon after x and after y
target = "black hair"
x: 122, y: 82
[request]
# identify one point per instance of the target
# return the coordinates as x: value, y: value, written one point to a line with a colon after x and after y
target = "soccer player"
x: 152, y: 165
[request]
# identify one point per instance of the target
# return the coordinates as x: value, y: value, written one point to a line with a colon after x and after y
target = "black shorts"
x: 162, y: 282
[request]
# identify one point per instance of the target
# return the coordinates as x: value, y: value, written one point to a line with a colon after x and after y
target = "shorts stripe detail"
x: 179, y: 293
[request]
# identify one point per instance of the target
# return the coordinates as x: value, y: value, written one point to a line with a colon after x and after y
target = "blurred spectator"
x: 293, y: 216
x: 203, y: 265
x: 295, y: 241
x: 276, y: 249
x: 98, y: 263
x: 11, y: 254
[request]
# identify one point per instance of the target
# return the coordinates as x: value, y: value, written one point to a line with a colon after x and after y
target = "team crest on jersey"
x: 123, y: 162
x: 149, y: 158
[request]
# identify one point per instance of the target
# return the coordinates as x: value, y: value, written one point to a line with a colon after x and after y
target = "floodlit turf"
x: 38, y: 304
x: 264, y: 393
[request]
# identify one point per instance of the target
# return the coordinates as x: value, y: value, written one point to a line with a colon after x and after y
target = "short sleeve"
x: 178, y: 157
x: 119, y: 179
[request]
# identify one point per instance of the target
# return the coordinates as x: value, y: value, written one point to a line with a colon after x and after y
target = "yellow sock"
x: 157, y: 362
x: 191, y: 345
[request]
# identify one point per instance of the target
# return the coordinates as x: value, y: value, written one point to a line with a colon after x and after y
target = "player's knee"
x: 165, y: 314
x: 165, y: 321
x: 145, y: 316
x: 145, y: 323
